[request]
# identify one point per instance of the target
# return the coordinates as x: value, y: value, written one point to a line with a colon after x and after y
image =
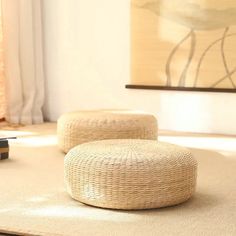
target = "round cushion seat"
x: 84, y: 126
x: 130, y: 174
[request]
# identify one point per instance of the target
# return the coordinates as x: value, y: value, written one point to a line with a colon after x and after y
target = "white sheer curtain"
x: 23, y: 53
x: 2, y: 80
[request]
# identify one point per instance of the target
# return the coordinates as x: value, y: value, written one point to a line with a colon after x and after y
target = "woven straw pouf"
x: 85, y: 126
x: 130, y: 174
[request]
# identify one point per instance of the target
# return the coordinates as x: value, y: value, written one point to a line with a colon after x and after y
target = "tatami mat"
x: 33, y: 200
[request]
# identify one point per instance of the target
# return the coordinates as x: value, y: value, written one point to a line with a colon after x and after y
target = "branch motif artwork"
x: 184, y: 43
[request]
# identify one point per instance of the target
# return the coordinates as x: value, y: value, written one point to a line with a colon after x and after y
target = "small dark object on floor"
x: 4, y: 147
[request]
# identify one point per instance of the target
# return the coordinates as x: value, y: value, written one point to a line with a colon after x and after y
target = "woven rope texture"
x: 130, y: 174
x: 85, y: 126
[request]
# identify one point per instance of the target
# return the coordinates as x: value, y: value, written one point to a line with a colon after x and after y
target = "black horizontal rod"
x: 7, y: 138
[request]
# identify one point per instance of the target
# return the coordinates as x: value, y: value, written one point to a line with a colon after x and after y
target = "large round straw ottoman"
x: 85, y: 126
x: 130, y: 174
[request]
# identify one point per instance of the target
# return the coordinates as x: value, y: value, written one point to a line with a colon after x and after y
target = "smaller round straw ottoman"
x: 130, y: 174
x: 85, y: 126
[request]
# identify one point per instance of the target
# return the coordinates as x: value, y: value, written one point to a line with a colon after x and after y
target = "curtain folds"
x: 23, y: 54
x: 2, y: 79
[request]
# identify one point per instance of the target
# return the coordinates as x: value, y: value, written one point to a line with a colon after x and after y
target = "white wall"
x: 87, y: 66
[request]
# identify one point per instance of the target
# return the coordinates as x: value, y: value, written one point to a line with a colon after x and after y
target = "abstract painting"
x: 184, y: 44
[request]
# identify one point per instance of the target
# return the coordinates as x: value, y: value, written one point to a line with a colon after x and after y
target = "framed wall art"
x: 183, y: 45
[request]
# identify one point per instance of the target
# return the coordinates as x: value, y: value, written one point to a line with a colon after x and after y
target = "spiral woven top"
x: 133, y: 150
x: 92, y: 117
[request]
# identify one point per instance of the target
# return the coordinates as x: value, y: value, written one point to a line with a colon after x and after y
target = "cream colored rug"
x: 33, y: 200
